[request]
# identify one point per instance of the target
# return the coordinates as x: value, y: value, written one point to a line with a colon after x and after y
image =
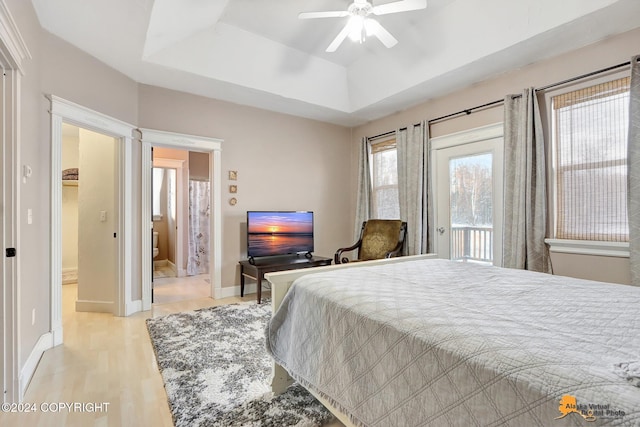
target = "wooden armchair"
x: 379, y: 238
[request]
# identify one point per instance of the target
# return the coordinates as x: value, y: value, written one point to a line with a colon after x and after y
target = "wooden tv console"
x: 257, y: 267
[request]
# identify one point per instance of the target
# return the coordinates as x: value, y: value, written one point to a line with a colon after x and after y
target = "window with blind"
x: 590, y: 129
x: 384, y: 179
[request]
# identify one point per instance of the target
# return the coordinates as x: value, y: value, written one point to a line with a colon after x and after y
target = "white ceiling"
x: 257, y: 52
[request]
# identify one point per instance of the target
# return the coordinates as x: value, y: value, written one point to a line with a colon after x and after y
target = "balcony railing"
x: 472, y: 243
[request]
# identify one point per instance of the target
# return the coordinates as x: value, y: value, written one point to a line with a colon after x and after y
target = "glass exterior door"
x: 469, y: 202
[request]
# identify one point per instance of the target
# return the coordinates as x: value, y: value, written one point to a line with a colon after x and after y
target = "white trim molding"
x: 589, y: 247
x: 13, y: 51
x: 69, y: 112
x: 12, y: 39
x: 481, y: 133
x: 155, y: 138
x: 234, y: 291
x: 95, y: 306
x: 44, y: 343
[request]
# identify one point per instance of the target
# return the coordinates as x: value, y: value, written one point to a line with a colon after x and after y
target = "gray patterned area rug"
x: 216, y: 370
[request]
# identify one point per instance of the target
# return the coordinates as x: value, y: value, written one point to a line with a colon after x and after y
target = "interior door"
x: 97, y: 221
x: 469, y: 201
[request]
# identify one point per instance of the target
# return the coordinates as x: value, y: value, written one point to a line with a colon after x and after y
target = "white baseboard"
x: 133, y: 307
x: 234, y: 291
x: 94, y: 306
x: 160, y: 263
x: 45, y: 342
x: 56, y: 333
x: 173, y: 267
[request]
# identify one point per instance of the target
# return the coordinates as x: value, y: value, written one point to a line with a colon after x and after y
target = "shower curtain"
x: 198, y: 235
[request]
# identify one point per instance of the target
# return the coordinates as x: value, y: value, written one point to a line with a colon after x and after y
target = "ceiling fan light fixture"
x: 360, y: 26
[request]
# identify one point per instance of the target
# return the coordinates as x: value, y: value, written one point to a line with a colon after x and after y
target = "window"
x: 384, y: 179
x: 157, y: 183
x: 589, y: 128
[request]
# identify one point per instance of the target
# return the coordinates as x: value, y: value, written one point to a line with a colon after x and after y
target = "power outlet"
x: 33, y: 317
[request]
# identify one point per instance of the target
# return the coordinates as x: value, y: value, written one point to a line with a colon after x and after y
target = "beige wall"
x: 283, y: 163
x: 198, y: 165
x: 614, y: 50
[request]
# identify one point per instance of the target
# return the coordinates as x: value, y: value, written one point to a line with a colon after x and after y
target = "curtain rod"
x: 468, y: 111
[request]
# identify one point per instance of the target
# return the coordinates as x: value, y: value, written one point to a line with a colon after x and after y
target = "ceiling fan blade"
x: 339, y: 39
x: 381, y: 33
x: 332, y: 14
x: 399, y: 6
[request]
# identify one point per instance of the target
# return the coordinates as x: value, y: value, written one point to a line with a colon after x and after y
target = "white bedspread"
x: 439, y: 343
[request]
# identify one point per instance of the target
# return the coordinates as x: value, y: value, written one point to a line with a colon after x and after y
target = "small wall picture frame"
x: 233, y: 175
x: 233, y: 189
x: 233, y: 201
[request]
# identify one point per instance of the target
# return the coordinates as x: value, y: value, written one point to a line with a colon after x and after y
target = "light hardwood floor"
x: 175, y: 289
x: 104, y: 359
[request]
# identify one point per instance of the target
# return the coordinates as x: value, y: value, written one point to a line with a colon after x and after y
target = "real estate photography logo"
x: 590, y: 411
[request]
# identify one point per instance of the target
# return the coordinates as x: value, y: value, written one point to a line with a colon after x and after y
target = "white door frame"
x: 13, y: 51
x: 178, y: 165
x: 213, y: 146
x: 77, y: 115
x: 484, y: 133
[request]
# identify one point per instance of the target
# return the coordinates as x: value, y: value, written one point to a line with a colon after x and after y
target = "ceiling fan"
x: 361, y: 25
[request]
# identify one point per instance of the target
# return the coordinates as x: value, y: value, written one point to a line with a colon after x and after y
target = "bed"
x: 422, y: 341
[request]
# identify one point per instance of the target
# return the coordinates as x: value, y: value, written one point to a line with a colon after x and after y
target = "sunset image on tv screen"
x: 279, y: 233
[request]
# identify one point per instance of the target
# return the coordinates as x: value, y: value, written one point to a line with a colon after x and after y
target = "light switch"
x: 29, y: 216
x: 103, y: 216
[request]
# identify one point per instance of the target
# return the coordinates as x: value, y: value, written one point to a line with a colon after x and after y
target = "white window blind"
x: 590, y: 129
x: 384, y: 178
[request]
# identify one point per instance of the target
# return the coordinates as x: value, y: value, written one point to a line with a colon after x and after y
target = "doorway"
x: 90, y: 215
x: 180, y: 215
x: 152, y: 140
x: 469, y: 195
x: 74, y: 114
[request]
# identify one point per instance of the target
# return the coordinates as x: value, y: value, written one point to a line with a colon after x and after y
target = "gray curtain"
x: 414, y: 186
x: 525, y: 200
x: 633, y: 172
x: 363, y: 203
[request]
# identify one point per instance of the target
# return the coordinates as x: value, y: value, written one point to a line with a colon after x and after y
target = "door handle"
x: 441, y: 230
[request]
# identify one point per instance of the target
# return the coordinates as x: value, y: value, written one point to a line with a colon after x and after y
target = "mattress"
x: 440, y: 343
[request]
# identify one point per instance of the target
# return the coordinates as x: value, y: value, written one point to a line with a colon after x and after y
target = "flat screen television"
x: 271, y: 233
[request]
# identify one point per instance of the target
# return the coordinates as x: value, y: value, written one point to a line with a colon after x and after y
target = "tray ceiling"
x: 258, y: 53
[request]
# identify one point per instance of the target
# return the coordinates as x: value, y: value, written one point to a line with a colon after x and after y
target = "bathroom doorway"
x: 154, y: 139
x: 180, y: 217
